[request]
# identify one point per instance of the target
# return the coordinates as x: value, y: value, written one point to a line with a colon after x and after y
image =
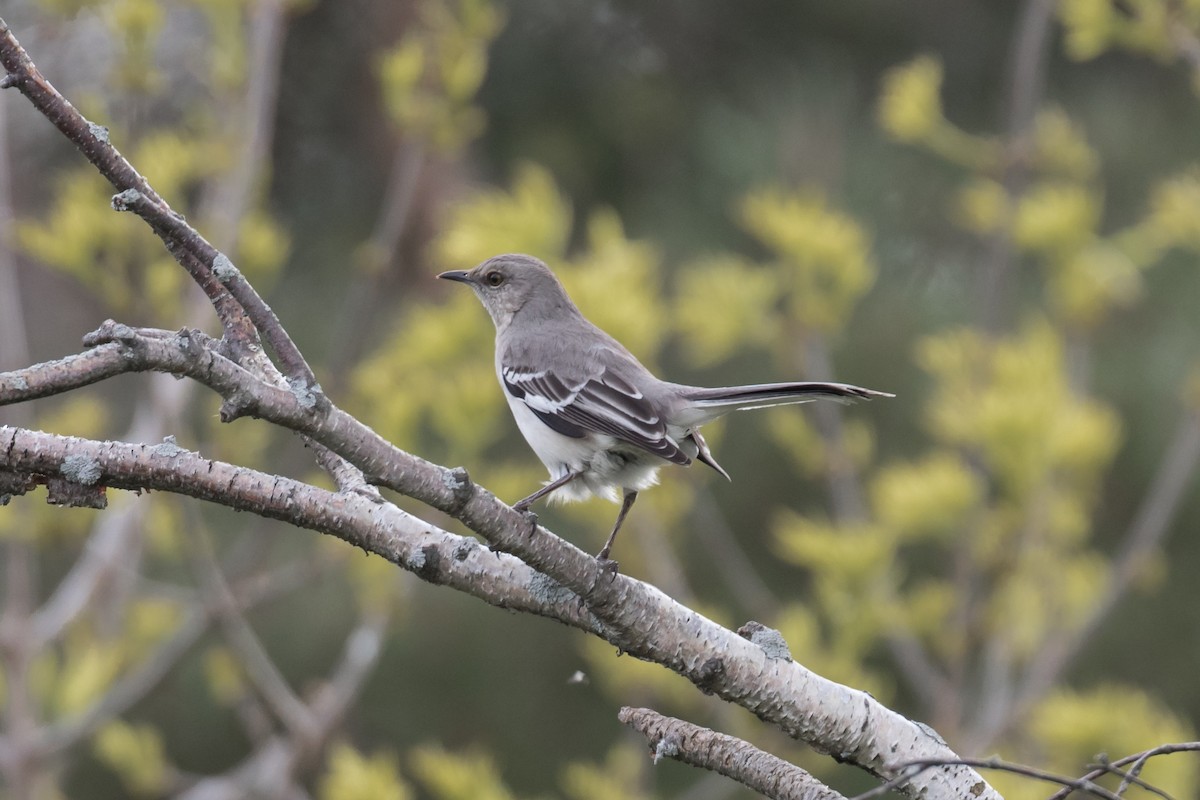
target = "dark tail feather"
x: 709, y: 404
x: 761, y: 393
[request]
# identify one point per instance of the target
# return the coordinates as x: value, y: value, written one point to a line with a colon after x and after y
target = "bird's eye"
x: 494, y: 279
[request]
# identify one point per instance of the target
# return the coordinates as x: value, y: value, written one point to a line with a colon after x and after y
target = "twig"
x: 206, y: 264
x: 228, y: 201
x: 269, y: 771
x: 845, y: 487
x: 135, y: 685
x: 92, y: 141
x: 360, y: 652
x: 911, y: 769
x: 255, y: 661
x: 210, y: 269
x: 734, y: 758
x: 663, y: 566
x: 735, y: 568
x: 1027, y: 62
x: 127, y: 691
x: 1136, y: 758
x: 112, y: 547
x: 1132, y: 777
x: 17, y: 651
x: 373, y: 259
x: 847, y: 497
x: 1146, y: 532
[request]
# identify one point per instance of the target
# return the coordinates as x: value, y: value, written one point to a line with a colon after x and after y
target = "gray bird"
x: 597, y: 418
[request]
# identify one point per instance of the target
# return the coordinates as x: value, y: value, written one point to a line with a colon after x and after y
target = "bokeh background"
x: 991, y: 209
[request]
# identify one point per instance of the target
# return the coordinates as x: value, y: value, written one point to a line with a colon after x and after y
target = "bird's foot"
x: 608, y: 566
x: 530, y: 517
x: 522, y: 507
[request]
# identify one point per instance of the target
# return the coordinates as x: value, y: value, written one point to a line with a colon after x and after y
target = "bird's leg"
x: 522, y: 506
x: 626, y: 503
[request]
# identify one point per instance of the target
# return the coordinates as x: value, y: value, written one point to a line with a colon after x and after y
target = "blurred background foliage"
x: 991, y: 209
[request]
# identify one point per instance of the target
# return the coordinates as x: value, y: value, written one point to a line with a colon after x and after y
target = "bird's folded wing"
x: 599, y: 403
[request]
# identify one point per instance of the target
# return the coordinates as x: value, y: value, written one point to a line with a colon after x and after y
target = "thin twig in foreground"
x: 911, y: 769
x: 1161, y: 750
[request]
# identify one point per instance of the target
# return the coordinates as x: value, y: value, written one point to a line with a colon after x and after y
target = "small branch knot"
x: 710, y: 674
x: 126, y: 200
x: 667, y: 747
x: 224, y: 270
x: 110, y: 331
x: 81, y: 469
x: 308, y: 396
x: 167, y: 448
x: 460, y: 485
x: 770, y: 640
x: 237, y: 405
x: 99, y: 131
x: 193, y: 342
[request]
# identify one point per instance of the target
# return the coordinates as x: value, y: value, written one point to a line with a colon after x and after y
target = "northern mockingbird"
x: 592, y: 413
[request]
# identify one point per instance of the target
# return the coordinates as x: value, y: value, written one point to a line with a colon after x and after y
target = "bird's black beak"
x: 460, y: 275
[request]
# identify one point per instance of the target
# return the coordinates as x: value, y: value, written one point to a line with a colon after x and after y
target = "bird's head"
x: 509, y: 283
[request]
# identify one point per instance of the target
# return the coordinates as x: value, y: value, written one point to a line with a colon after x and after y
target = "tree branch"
x: 1026, y: 67
x: 734, y: 758
x: 270, y: 770
x: 138, y: 683
x: 1137, y: 759
x: 242, y: 639
x: 1070, y: 784
x: 428, y: 552
x: 17, y: 651
x: 211, y: 270
x: 1150, y: 525
x: 555, y: 575
x: 717, y: 660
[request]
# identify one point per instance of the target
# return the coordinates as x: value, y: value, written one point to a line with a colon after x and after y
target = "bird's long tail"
x: 708, y: 404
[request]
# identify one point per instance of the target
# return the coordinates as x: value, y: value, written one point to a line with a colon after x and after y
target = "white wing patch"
x: 602, y: 403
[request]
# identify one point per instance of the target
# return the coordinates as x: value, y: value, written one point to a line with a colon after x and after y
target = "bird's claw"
x: 531, y: 517
x: 608, y: 567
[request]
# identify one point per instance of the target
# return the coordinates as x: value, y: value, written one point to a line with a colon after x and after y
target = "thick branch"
x: 718, y: 661
x: 806, y: 706
x: 431, y: 554
x: 734, y: 758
